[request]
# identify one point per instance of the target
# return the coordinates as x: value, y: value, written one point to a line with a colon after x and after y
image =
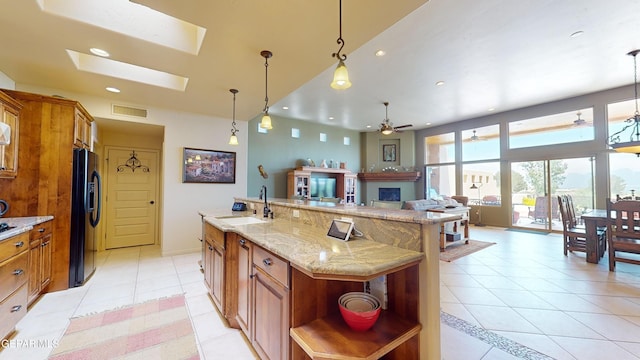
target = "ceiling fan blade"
x: 403, y: 126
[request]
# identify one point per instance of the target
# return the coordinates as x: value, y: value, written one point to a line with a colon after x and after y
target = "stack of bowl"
x: 359, y: 310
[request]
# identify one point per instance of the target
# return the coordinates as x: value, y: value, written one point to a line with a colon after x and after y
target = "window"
x: 482, y: 183
x: 440, y: 148
x: 567, y: 127
x: 440, y: 174
x: 481, y: 143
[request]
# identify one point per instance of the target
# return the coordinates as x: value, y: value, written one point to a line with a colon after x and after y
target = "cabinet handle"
x: 18, y: 272
x: 16, y: 308
x: 267, y: 261
x: 251, y: 276
x: 20, y: 244
x: 210, y: 248
x: 41, y: 230
x: 242, y: 242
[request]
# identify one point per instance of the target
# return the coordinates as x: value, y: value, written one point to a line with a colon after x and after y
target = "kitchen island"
x: 278, y: 279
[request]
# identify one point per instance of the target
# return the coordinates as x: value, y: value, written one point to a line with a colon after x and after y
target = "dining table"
x: 592, y: 221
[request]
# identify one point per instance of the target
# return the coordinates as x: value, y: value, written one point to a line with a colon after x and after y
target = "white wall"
x: 6, y: 82
x: 181, y: 226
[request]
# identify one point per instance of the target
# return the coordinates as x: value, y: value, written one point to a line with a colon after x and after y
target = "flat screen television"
x: 323, y: 187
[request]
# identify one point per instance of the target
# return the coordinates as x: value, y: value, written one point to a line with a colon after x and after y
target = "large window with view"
x: 624, y: 174
x: 567, y: 127
x: 440, y: 175
x: 480, y: 165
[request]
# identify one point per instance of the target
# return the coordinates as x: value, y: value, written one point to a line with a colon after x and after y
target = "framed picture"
x: 208, y: 166
x: 389, y: 152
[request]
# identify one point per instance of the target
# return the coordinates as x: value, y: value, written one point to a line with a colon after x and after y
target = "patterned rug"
x: 157, y: 329
x: 457, y: 251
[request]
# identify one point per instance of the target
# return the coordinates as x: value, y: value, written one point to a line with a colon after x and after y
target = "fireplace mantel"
x: 390, y: 176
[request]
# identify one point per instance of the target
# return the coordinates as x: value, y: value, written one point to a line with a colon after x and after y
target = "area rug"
x: 454, y: 252
x: 157, y: 329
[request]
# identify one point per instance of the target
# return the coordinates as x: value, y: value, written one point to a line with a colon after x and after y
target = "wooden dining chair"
x: 623, y: 231
x: 574, y: 239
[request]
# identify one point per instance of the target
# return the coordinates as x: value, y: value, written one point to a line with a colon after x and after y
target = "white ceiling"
x: 499, y: 54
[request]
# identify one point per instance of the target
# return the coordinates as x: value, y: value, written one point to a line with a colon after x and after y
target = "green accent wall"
x: 279, y: 153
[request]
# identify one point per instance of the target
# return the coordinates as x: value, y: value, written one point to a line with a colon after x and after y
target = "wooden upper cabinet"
x: 82, y: 131
x: 10, y: 115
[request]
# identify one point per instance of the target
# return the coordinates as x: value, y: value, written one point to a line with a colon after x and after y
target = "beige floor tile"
x: 451, y: 348
x: 474, y: 295
x: 555, y: 322
x: 496, y: 282
x: 569, y: 302
x: 459, y: 280
x: 611, y: 327
x: 541, y: 343
x: 459, y: 311
x: 614, y: 305
x: 501, y: 318
x: 521, y: 299
x: 227, y: 346
x: 592, y: 349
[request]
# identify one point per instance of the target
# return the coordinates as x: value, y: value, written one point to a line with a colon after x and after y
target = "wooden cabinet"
x: 40, y: 244
x: 9, y: 115
x: 43, y: 185
x: 13, y: 281
x: 243, y: 288
x: 299, y: 182
x: 82, y: 131
x: 215, y: 269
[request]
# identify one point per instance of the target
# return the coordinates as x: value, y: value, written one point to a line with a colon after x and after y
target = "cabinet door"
x: 208, y: 265
x: 45, y: 260
x: 244, y: 288
x: 34, y: 268
x: 217, y: 278
x: 271, y: 317
x: 9, y: 153
x: 82, y: 131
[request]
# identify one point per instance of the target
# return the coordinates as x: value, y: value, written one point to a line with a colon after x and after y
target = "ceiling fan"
x: 387, y: 128
x: 475, y: 137
x: 580, y: 121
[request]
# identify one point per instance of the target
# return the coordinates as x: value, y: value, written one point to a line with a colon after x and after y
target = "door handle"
x: 152, y: 202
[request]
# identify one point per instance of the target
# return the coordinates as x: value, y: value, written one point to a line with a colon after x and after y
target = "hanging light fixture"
x: 633, y: 145
x: 340, y: 76
x: 233, y: 140
x: 265, y: 123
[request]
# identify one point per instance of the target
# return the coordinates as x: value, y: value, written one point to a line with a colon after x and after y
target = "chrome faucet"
x: 265, y: 210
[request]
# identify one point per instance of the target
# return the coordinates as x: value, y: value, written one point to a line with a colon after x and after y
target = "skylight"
x: 103, y: 66
x: 134, y: 20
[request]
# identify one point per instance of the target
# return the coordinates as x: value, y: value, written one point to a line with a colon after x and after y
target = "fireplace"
x: 389, y: 194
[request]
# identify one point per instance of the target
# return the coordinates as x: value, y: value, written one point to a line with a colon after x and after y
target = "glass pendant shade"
x: 233, y: 140
x: 265, y: 123
x: 631, y: 147
x: 387, y: 131
x: 341, y: 77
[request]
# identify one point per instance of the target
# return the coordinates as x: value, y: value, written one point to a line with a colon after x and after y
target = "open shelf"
x: 330, y: 337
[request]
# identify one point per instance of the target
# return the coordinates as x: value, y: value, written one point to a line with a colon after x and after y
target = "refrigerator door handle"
x: 98, y: 198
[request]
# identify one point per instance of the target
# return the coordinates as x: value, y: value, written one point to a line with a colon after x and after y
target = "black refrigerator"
x: 85, y: 215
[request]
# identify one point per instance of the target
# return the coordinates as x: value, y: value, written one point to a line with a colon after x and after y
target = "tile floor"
x: 521, y: 298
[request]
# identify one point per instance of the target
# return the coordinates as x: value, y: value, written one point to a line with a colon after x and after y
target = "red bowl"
x: 359, y: 321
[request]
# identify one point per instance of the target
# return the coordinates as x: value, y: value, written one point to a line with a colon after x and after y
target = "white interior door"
x: 132, y: 191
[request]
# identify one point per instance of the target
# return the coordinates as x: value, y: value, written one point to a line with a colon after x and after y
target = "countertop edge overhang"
x: 22, y: 224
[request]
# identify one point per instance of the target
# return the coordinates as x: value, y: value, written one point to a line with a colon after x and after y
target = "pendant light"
x: 265, y: 123
x: 233, y: 140
x: 633, y: 145
x: 340, y: 76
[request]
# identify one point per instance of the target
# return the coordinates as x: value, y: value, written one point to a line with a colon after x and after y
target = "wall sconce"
x: 265, y: 123
x: 233, y: 140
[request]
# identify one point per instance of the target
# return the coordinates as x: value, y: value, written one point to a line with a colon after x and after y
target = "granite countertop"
x: 310, y: 250
x: 22, y: 224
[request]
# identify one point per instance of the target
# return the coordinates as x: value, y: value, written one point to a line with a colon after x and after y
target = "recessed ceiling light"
x: 490, y: 109
x: 440, y: 83
x: 285, y: 108
x: 331, y: 118
x: 368, y: 126
x: 380, y: 53
x: 577, y: 33
x: 428, y: 124
x: 99, y: 52
x: 112, y: 89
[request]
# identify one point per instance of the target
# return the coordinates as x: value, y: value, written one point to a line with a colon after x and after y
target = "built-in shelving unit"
x: 390, y: 176
x: 299, y: 182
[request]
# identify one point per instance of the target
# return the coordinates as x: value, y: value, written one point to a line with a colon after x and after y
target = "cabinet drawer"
x: 13, y: 245
x: 41, y: 230
x: 12, y: 310
x: 214, y: 235
x: 271, y: 264
x: 13, y: 274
